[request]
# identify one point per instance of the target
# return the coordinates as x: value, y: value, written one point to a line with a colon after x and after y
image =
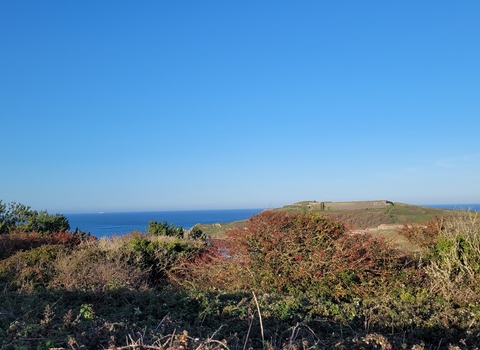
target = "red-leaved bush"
x: 292, y: 253
x: 22, y: 241
x: 425, y: 235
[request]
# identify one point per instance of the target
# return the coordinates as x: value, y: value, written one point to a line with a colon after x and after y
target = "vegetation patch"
x: 280, y: 281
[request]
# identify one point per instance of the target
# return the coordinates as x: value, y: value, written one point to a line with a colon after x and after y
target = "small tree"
x: 19, y: 217
x: 163, y: 229
x: 196, y: 233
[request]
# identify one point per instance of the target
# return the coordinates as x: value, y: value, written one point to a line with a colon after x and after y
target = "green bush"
x: 196, y: 233
x: 164, y: 229
x: 30, y: 269
x: 132, y: 261
x: 19, y: 217
x: 158, y: 254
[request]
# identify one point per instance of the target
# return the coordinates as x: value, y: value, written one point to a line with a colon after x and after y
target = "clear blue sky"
x: 170, y: 105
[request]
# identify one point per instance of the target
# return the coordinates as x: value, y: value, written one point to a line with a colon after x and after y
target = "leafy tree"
x: 19, y: 217
x: 3, y: 221
x: 14, y: 215
x: 164, y: 229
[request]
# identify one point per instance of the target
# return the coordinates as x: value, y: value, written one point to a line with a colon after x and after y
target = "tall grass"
x: 454, y: 269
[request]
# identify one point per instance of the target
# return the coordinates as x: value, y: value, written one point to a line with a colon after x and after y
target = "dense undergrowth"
x: 284, y: 281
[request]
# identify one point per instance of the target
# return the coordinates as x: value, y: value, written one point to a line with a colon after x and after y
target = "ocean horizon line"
x: 154, y: 211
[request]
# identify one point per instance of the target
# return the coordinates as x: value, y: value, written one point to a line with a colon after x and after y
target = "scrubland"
x: 280, y: 281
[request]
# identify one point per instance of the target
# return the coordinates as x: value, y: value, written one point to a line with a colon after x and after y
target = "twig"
x: 213, y: 341
x: 133, y: 346
x: 259, y: 316
x: 248, y: 332
x: 293, y: 336
x: 171, y: 339
x: 163, y: 319
x: 209, y: 338
x: 313, y: 333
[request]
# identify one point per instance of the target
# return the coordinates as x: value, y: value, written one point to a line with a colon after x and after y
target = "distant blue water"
x: 472, y: 207
x: 107, y: 224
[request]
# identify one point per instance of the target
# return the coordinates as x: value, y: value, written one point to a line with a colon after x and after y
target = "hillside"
x: 383, y: 221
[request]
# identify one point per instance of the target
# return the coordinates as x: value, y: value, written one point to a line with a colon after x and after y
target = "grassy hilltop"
x: 396, y: 213
x: 305, y: 276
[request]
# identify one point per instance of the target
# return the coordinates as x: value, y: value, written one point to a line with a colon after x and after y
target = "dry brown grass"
x: 455, y: 264
x: 94, y: 269
x: 130, y: 261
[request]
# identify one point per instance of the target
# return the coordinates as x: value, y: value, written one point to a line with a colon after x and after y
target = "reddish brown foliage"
x: 424, y: 235
x: 22, y: 241
x: 67, y: 239
x: 292, y: 253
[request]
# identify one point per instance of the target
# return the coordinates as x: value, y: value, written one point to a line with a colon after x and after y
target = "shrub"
x: 132, y: 262
x: 293, y: 253
x: 30, y: 269
x: 454, y: 268
x: 158, y: 254
x: 164, y: 229
x: 425, y: 235
x: 22, y: 241
x: 196, y: 233
x: 90, y: 268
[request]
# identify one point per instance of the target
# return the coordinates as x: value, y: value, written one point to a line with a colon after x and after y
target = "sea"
x: 471, y: 207
x: 108, y: 224
x: 105, y: 224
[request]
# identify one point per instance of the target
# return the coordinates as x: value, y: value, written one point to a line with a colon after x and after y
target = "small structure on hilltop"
x: 354, y: 205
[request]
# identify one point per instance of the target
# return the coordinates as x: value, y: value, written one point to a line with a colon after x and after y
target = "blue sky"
x: 170, y: 105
